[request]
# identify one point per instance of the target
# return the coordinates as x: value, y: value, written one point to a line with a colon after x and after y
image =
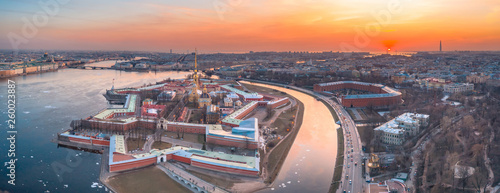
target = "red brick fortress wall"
x: 391, y: 98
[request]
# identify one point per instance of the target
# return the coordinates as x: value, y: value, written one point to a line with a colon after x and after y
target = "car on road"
x: 350, y: 182
x: 348, y: 166
x: 352, y: 160
x: 355, y: 163
x: 352, y: 150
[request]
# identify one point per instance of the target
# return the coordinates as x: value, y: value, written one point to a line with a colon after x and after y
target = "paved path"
x: 149, y: 143
x: 356, y: 114
x: 168, y: 167
x: 277, y: 113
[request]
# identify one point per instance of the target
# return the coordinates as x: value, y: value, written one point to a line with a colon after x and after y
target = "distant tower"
x: 440, y: 46
x: 194, y: 96
x: 170, y: 50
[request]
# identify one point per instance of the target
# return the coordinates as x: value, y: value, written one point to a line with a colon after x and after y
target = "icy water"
x: 310, y: 163
x: 46, y: 104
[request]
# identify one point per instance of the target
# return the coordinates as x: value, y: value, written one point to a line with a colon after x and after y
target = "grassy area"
x: 269, y: 115
x: 278, y: 155
x: 150, y: 179
x: 191, y: 137
x: 220, y: 180
x: 284, y: 121
x: 134, y: 143
x: 196, y: 116
x: 161, y: 145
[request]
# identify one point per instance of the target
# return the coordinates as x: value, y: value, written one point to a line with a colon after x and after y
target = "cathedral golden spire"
x: 195, y: 77
x: 195, y: 61
x: 193, y: 97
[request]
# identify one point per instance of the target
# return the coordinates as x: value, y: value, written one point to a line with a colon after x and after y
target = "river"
x: 109, y: 63
x: 46, y: 104
x: 310, y: 163
x: 105, y: 63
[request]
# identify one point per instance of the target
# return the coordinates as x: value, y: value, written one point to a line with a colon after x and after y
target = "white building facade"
x: 397, y: 130
x: 458, y: 88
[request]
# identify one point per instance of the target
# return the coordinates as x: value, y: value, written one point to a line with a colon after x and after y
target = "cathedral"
x: 205, y: 99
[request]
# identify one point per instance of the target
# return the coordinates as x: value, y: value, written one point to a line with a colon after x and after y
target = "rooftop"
x: 393, y: 127
x: 232, y: 117
x: 247, y: 130
x: 240, y: 92
x: 128, y: 107
x: 388, y: 90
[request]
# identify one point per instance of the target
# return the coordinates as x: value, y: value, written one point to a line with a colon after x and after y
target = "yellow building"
x: 147, y: 101
x: 205, y: 99
x: 373, y: 164
x: 194, y: 94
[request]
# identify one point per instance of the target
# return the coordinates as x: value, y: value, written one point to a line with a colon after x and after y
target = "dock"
x: 79, y: 145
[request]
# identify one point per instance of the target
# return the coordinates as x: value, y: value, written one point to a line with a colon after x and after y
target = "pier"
x: 91, y: 67
x: 70, y: 144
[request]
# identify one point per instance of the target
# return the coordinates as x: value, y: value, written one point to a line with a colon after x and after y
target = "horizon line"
x: 240, y: 52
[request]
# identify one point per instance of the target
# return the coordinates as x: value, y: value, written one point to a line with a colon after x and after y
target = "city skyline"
x: 242, y: 26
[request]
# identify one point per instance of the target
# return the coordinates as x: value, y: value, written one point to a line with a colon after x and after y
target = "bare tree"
x: 446, y: 122
x: 479, y: 182
x: 463, y: 173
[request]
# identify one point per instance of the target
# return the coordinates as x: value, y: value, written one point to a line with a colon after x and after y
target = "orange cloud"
x: 283, y: 25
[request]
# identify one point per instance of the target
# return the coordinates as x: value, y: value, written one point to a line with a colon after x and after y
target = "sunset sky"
x: 257, y: 25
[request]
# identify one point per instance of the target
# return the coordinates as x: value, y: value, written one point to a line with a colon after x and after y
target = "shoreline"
x: 294, y: 134
x: 31, y: 73
x: 340, y: 136
x: 269, y: 178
